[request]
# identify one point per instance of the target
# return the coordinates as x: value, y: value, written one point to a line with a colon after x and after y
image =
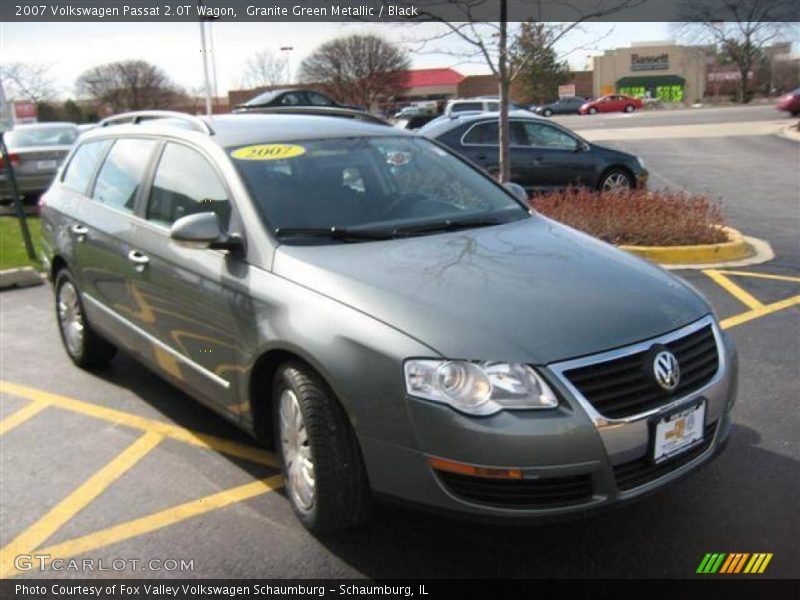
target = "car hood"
x: 532, y: 290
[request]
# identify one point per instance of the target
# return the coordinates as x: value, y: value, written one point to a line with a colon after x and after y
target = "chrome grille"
x: 624, y: 386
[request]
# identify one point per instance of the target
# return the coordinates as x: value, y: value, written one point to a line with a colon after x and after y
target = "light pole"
x: 286, y: 50
x: 205, y: 65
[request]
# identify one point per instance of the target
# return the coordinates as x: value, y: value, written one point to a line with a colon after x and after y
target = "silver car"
x: 36, y: 151
x: 385, y: 315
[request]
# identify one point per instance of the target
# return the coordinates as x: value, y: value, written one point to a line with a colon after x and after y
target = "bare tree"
x: 489, y: 41
x: 264, y: 69
x: 129, y: 85
x: 750, y: 26
x: 358, y: 69
x: 27, y: 81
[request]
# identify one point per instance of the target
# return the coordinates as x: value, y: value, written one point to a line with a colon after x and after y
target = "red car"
x: 790, y: 102
x: 611, y: 103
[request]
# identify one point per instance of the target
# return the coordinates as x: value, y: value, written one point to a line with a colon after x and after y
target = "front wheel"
x: 325, y: 477
x: 84, y: 347
x: 548, y: 112
x: 616, y: 180
x: 592, y: 111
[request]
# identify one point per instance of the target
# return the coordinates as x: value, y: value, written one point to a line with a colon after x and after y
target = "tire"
x: 616, y: 180
x: 548, y: 112
x: 592, y: 110
x: 630, y: 108
x: 84, y: 347
x: 311, y: 424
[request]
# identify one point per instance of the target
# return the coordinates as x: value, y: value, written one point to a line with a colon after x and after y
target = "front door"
x: 558, y: 157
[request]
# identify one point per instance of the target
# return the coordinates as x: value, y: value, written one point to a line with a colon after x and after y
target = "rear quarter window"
x: 121, y: 175
x: 80, y: 169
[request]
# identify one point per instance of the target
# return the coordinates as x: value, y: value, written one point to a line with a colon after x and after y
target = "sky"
x: 71, y: 48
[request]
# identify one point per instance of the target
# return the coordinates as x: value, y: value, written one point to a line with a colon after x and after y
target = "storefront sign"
x: 566, y: 91
x: 649, y: 63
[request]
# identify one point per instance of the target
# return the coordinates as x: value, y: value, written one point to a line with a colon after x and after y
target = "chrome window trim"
x: 517, y: 120
x: 185, y: 360
x: 560, y: 368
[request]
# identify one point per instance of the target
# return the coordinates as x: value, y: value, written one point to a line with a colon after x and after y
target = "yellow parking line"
x: 737, y: 292
x: 762, y: 276
x: 251, y: 453
x: 22, y: 415
x: 161, y: 519
x: 759, y: 312
x: 33, y: 536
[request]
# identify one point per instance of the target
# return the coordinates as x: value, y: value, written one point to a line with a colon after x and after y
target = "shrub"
x: 637, y: 217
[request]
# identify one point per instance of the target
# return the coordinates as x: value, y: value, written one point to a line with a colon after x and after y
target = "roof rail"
x: 138, y: 116
x: 323, y: 111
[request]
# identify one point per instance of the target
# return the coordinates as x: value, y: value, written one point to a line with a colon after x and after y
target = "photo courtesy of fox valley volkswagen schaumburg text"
x: 308, y: 298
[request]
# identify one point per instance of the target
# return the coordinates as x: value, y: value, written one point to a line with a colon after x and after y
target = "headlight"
x: 641, y: 162
x: 478, y: 388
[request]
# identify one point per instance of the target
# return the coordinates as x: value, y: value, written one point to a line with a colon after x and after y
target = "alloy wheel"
x: 301, y: 481
x: 615, y: 182
x: 70, y: 318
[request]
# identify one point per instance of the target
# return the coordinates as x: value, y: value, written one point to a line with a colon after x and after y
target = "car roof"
x: 254, y: 128
x: 444, y: 124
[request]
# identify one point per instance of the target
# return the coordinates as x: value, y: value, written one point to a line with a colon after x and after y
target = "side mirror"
x: 202, y: 230
x: 518, y: 191
x: 581, y: 146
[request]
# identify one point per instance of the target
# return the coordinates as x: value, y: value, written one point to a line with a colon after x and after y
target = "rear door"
x: 106, y: 259
x: 191, y: 296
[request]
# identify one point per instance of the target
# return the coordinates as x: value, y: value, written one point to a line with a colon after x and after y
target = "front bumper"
x: 572, y: 460
x: 642, y: 178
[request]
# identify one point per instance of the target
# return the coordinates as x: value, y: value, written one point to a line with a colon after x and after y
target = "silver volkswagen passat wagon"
x: 389, y: 318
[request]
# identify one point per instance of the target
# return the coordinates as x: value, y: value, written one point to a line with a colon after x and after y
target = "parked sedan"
x: 36, y: 151
x: 291, y: 97
x: 790, y: 102
x: 544, y: 155
x: 562, y: 106
x: 612, y: 103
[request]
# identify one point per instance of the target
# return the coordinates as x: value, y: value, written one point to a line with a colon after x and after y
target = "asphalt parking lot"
x: 117, y: 464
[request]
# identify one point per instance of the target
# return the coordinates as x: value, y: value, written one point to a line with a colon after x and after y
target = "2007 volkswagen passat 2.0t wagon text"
x: 393, y: 321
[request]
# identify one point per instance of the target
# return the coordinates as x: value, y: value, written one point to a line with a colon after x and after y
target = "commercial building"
x: 663, y: 70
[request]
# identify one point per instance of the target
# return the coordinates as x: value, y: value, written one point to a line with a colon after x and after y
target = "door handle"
x: 79, y: 231
x: 138, y: 259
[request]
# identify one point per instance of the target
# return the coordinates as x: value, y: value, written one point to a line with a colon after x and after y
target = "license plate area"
x: 678, y: 431
x: 46, y: 165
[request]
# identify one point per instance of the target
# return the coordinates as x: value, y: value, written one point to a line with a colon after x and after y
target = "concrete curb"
x: 790, y: 132
x: 735, y: 249
x: 20, y: 277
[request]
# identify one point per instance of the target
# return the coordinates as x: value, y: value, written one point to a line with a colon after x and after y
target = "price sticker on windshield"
x: 268, y: 152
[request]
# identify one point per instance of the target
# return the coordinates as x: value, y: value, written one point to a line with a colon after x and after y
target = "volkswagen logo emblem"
x: 666, y: 370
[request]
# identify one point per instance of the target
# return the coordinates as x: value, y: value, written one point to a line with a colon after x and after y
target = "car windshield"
x: 41, y: 136
x: 382, y: 186
x: 261, y: 98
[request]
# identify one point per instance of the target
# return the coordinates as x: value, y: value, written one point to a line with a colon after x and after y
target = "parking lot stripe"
x: 737, y: 292
x: 61, y: 513
x: 161, y: 519
x: 22, y: 415
x: 765, y: 310
x: 761, y: 276
x: 251, y: 453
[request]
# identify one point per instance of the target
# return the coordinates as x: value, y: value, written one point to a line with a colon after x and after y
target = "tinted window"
x: 465, y: 106
x: 547, y: 136
x: 185, y: 184
x: 83, y: 164
x: 26, y: 137
x: 318, y: 99
x: 487, y: 134
x: 291, y: 99
x: 121, y: 174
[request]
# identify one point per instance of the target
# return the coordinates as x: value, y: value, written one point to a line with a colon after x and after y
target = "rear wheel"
x: 83, y: 345
x: 325, y: 478
x: 630, y: 108
x: 616, y: 180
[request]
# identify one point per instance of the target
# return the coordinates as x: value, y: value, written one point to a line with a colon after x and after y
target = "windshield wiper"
x: 448, y: 226
x: 335, y: 233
